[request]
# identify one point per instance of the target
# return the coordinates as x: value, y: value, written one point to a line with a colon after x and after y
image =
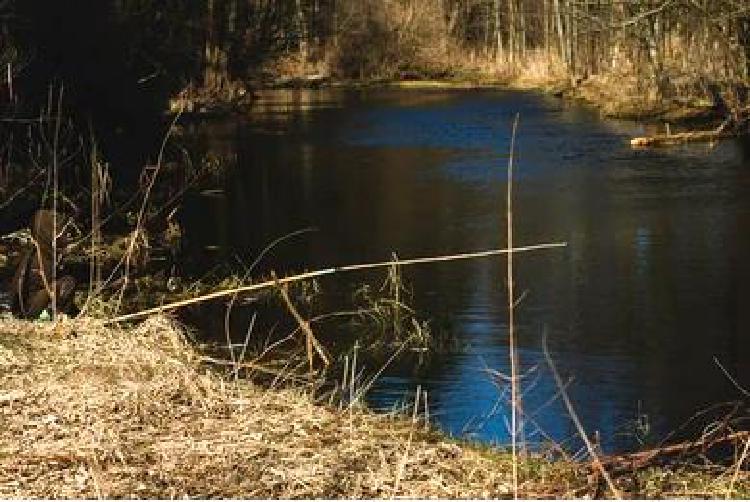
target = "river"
x: 652, y: 288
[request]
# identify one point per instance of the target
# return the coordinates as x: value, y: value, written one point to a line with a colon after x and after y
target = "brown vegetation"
x: 90, y: 411
x: 644, y: 59
x: 94, y: 411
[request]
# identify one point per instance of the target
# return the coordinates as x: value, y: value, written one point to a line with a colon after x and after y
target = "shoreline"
x: 101, y: 411
x: 595, y: 92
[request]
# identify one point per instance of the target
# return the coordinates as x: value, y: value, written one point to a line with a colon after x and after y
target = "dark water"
x: 654, y: 282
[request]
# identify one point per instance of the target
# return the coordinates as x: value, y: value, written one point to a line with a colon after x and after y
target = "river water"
x: 653, y: 286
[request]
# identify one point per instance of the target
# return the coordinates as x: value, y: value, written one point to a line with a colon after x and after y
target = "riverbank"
x: 614, y: 96
x: 96, y: 411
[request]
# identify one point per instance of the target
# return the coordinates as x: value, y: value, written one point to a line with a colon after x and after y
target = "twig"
x: 734, y: 405
x: 598, y: 465
x: 642, y: 458
x: 248, y: 271
x: 311, y: 341
x: 737, y: 467
x: 144, y: 205
x: 730, y: 377
x: 328, y: 271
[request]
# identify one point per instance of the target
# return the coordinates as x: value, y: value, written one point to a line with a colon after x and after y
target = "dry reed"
x: 512, y: 352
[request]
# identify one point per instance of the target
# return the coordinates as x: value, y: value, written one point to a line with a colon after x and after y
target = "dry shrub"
x: 298, y: 65
x: 387, y: 39
x: 540, y: 68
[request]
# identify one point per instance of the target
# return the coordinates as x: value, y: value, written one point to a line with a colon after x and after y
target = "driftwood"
x: 304, y: 82
x: 669, y: 139
x: 735, y: 124
x: 641, y: 459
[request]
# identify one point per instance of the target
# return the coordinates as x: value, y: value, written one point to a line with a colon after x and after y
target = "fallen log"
x: 669, y: 139
x: 641, y: 459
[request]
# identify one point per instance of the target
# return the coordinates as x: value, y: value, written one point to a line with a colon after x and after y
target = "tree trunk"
x: 561, y: 34
x: 498, y: 34
x: 302, y: 31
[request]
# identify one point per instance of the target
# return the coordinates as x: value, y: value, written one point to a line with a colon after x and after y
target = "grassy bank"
x: 684, y: 97
x: 93, y: 411
x: 614, y: 96
x: 619, y: 95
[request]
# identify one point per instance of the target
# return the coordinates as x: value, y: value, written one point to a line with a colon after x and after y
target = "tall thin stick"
x: 513, y: 353
x: 55, y: 189
x: 10, y: 83
x: 328, y: 271
x: 144, y: 205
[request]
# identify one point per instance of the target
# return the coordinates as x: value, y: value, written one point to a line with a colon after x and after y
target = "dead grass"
x: 89, y: 411
x: 539, y: 69
x: 93, y: 411
x: 624, y: 95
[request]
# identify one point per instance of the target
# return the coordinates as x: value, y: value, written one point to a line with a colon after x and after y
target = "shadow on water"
x: 653, y: 284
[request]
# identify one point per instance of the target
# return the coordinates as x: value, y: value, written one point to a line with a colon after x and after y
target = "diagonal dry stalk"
x: 312, y: 343
x: 248, y: 271
x: 730, y: 377
x: 598, y: 465
x: 136, y: 233
x: 525, y: 415
x: 355, y: 397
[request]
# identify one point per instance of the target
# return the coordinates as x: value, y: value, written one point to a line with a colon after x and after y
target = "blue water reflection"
x: 653, y: 284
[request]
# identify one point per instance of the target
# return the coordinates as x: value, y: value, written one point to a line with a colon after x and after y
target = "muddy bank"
x: 95, y: 411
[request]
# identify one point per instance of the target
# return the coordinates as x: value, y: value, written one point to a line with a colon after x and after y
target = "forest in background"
x: 124, y: 47
x: 103, y: 72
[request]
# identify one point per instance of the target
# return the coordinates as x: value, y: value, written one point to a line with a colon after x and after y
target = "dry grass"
x: 624, y: 94
x: 95, y: 411
x: 90, y: 411
x: 539, y: 69
x: 296, y: 65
